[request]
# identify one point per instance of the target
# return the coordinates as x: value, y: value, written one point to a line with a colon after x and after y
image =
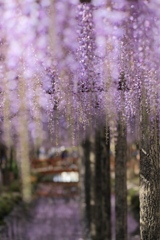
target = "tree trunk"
x: 84, y: 166
x: 98, y: 187
x: 95, y: 187
x: 120, y: 182
x: 87, y: 180
x: 149, y: 178
x: 92, y: 189
x: 106, y: 191
x: 102, y: 186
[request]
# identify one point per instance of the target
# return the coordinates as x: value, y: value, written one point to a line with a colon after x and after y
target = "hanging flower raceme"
x: 24, y: 42
x: 70, y: 63
x: 140, y: 61
x: 90, y: 86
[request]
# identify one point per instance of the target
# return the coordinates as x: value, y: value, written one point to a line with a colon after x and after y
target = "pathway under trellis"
x: 47, y: 219
x: 51, y: 219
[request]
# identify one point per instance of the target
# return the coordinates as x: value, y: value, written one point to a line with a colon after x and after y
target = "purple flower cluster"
x: 69, y: 66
